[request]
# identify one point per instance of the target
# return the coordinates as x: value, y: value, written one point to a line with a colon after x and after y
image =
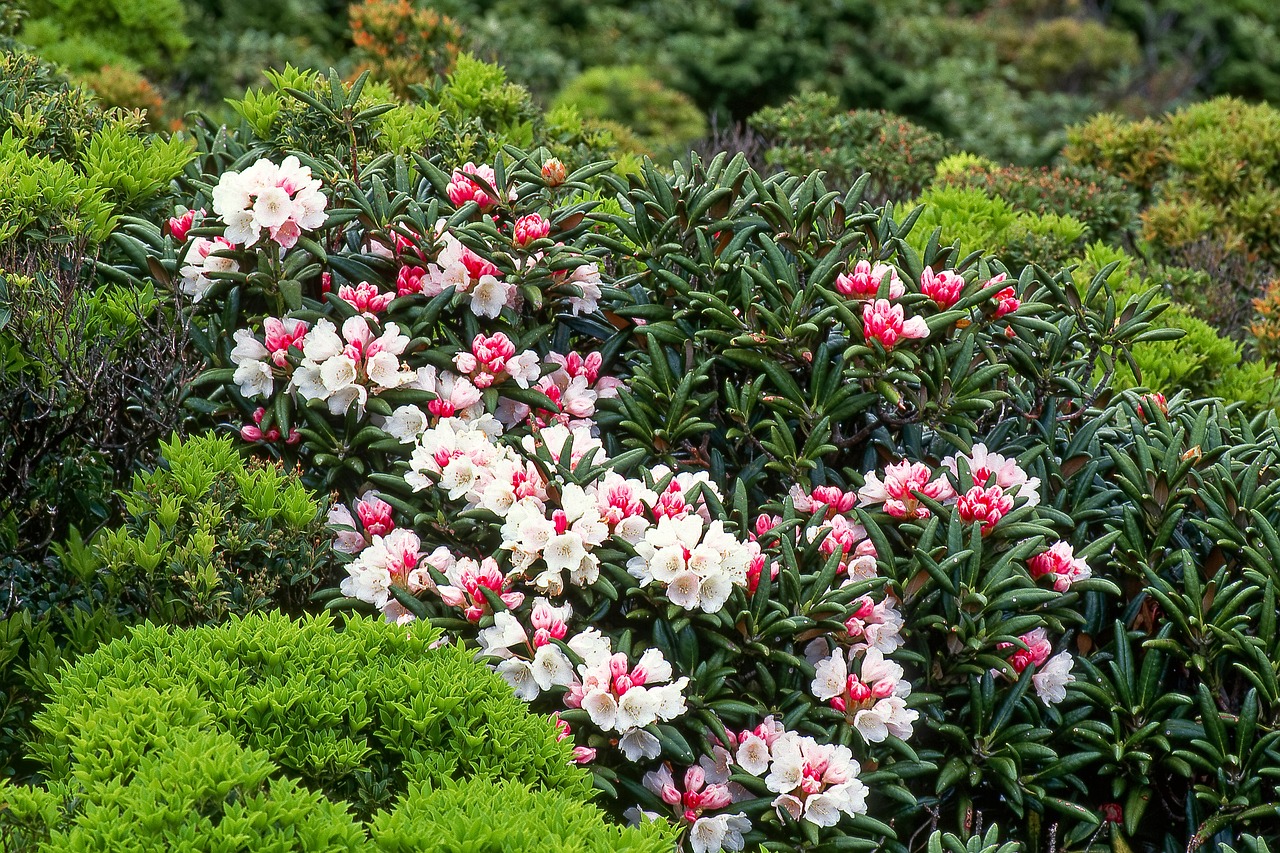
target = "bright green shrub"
x: 43, y: 200
x: 389, y: 713
x: 479, y: 815
x: 665, y: 121
x: 69, y: 167
x: 207, y: 535
x: 973, y: 219
x: 1202, y: 362
x: 202, y: 791
x: 134, y: 169
x: 52, y: 117
x: 812, y: 132
x: 223, y: 738
x: 467, y: 116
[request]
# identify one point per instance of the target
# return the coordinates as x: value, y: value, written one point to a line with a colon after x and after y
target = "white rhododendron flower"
x: 1052, y: 678
x: 201, y: 260
x: 698, y: 564
x: 814, y: 782
x: 282, y: 200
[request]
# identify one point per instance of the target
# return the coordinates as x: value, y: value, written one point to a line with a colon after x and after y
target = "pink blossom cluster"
x: 814, y: 782
x: 703, y: 790
x: 204, y: 258
x: 473, y: 183
x: 493, y: 358
x: 1060, y: 565
x: 873, y: 698
x: 995, y: 485
x: 319, y: 363
x: 884, y: 319
x: 345, y: 369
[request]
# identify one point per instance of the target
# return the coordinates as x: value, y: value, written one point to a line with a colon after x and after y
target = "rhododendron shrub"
x: 761, y: 504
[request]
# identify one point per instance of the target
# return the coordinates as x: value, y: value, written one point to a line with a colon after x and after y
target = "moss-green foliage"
x: 1104, y: 203
x: 359, y: 714
x: 134, y: 168
x: 201, y: 791
x: 52, y: 117
x: 204, y: 535
x: 477, y: 815
x: 665, y: 121
x: 45, y: 200
x: 84, y: 35
x: 468, y: 115
x: 974, y: 219
x: 1210, y: 168
x: 1202, y: 362
x: 812, y: 132
x: 267, y: 734
x: 68, y: 167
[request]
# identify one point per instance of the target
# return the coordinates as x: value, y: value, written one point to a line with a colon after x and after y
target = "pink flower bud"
x: 583, y: 755
x: 554, y: 172
x: 409, y: 280
x: 694, y: 778
x: 530, y: 228
x: 885, y: 322
x: 250, y: 433
x: 180, y: 225
x: 765, y: 523
x: 943, y: 288
x: 858, y: 691
x: 1006, y: 299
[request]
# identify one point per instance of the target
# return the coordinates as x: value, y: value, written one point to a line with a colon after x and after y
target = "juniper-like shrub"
x: 1104, y: 203
x: 203, y: 738
x: 812, y: 132
x: 390, y: 711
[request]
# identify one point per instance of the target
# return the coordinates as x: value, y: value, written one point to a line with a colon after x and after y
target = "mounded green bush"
x: 207, y: 534
x: 479, y: 815
x: 1203, y: 362
x: 86, y: 34
x: 359, y: 715
x: 1104, y: 203
x: 1209, y: 168
x: 812, y: 132
x: 665, y: 121
x: 250, y: 736
x: 977, y: 220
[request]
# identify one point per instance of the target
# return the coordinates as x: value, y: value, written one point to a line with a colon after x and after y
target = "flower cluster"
x: 884, y: 318
x: 284, y: 201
